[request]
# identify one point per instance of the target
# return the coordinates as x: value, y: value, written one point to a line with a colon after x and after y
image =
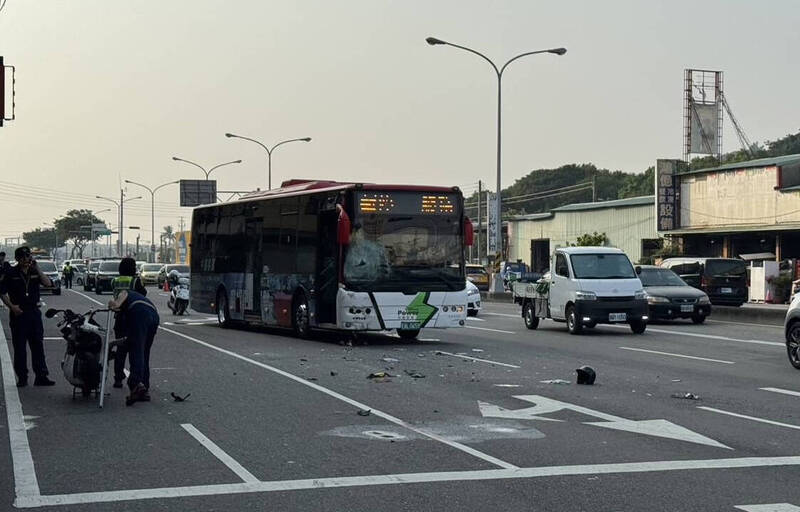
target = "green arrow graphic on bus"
x: 421, y: 309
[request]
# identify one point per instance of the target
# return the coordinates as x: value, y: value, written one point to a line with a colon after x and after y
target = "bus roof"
x: 295, y: 187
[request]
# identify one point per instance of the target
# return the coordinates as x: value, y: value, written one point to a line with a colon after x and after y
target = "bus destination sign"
x: 406, y: 203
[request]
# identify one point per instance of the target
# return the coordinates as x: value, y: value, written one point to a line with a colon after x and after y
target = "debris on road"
x: 556, y: 381
x: 379, y: 375
x: 180, y: 398
x: 686, y: 396
x: 334, y: 374
x: 676, y: 380
x: 390, y: 360
x: 477, y: 350
x: 420, y: 355
x: 586, y: 375
x: 311, y: 378
x: 364, y: 412
x: 303, y: 359
x: 414, y: 374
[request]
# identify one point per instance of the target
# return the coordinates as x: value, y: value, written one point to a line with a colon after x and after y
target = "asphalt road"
x: 273, y: 422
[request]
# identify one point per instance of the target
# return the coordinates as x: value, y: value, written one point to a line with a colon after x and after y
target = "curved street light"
x: 153, y: 212
x: 208, y: 172
x: 268, y: 150
x: 120, y: 206
x: 499, y: 72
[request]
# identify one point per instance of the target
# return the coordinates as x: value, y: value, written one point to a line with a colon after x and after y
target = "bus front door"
x: 327, y: 267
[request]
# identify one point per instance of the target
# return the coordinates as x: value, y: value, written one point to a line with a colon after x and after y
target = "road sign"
x: 543, y: 405
x: 102, y: 232
x: 197, y: 192
x: 99, y: 225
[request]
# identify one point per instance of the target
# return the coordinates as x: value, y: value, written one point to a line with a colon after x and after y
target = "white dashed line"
x: 464, y: 356
x: 782, y: 391
x: 219, y: 453
x: 752, y: 418
x: 676, y: 355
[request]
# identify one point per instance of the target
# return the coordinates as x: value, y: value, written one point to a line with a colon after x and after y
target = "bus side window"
x: 285, y: 264
x: 307, y: 236
x: 270, y: 236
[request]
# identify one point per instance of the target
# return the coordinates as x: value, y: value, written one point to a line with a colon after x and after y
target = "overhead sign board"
x: 667, y: 195
x: 197, y: 192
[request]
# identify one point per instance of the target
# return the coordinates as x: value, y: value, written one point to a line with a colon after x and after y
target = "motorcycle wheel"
x: 181, y: 307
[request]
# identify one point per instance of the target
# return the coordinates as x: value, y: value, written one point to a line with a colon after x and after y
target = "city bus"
x: 331, y: 255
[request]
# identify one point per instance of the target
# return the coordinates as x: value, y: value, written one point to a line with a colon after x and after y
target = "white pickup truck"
x: 586, y: 286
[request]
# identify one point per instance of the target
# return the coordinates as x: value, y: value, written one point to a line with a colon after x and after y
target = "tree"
x: 594, y: 240
x: 44, y: 239
x: 75, y: 226
x: 168, y: 237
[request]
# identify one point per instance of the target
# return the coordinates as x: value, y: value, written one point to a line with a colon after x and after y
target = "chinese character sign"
x: 491, y: 224
x: 667, y: 195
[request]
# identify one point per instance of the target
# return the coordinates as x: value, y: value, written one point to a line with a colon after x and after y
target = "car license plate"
x: 617, y: 317
x: 409, y: 325
x: 687, y: 308
x: 726, y: 290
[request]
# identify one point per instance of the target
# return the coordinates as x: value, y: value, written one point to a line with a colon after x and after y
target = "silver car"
x: 792, y: 330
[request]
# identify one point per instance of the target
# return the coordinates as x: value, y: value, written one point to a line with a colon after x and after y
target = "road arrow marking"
x: 544, y: 405
x: 773, y: 507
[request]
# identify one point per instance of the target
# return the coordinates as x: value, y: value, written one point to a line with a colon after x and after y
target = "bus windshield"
x: 410, y: 250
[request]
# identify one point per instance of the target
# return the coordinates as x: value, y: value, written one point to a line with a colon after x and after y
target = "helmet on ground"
x: 586, y: 375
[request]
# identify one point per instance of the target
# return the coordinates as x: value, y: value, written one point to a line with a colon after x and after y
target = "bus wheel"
x: 408, y: 334
x: 223, y: 313
x: 300, y: 318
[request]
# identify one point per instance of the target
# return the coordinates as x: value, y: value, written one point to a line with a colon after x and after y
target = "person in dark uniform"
x: 140, y: 325
x: 20, y: 292
x: 127, y: 280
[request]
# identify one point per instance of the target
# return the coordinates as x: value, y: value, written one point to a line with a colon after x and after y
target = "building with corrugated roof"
x: 629, y: 224
x: 742, y: 209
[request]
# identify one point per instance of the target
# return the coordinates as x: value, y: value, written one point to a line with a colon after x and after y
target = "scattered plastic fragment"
x: 311, y: 378
x: 555, y: 381
x: 379, y: 375
x: 364, y: 412
x: 477, y: 350
x: 414, y: 374
x: 676, y: 380
x: 180, y: 398
x: 390, y: 360
x: 686, y: 396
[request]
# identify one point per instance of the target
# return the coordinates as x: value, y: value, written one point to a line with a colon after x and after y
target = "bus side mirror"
x: 469, y: 232
x: 343, y: 228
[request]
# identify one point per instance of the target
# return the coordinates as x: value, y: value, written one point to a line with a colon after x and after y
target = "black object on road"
x: 586, y: 375
x: 180, y: 398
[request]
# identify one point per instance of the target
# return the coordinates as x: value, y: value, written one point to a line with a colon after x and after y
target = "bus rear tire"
x: 408, y: 334
x: 301, y: 319
x: 223, y: 311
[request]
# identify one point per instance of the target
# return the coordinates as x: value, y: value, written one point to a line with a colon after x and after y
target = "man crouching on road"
x: 140, y: 326
x: 20, y: 292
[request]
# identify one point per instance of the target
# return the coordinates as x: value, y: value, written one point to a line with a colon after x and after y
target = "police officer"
x: 68, y: 272
x: 127, y: 280
x: 140, y: 326
x: 20, y: 292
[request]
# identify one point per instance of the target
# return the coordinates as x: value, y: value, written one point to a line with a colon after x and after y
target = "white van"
x: 586, y: 286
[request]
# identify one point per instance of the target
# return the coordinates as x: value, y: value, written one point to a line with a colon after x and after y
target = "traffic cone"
x: 166, y: 285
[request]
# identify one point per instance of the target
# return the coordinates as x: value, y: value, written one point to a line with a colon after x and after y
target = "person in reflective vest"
x: 127, y: 280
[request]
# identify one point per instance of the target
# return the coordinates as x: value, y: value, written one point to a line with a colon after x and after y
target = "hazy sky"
x: 109, y: 90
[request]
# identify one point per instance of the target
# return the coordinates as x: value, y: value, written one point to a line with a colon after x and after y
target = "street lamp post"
x: 153, y: 213
x: 269, y: 151
x: 120, y: 205
x: 208, y: 172
x: 499, y: 72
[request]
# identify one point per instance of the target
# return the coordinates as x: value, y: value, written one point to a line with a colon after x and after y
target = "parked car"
x: 149, y: 273
x: 473, y: 299
x: 49, y: 268
x: 724, y: 280
x: 668, y: 296
x: 106, y: 272
x: 91, y: 275
x: 478, y: 276
x: 183, y: 270
x: 792, y: 331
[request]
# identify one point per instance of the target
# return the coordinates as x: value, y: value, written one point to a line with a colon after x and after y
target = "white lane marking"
x: 52, y: 338
x: 355, y: 403
x: 502, y: 314
x: 25, y: 482
x: 487, y: 329
x: 475, y: 319
x: 464, y: 356
x: 744, y: 323
x: 403, y: 479
x: 753, y: 418
x: 507, y: 385
x: 219, y: 453
x: 89, y: 298
x: 769, y: 507
x: 544, y: 405
x: 707, y: 336
x: 676, y: 355
x: 782, y: 391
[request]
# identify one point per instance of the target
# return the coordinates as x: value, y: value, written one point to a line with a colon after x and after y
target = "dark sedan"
x: 668, y: 296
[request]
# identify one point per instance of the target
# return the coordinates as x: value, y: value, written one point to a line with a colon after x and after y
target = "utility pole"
x: 594, y: 188
x: 180, y: 228
x: 121, y: 229
x: 480, y: 223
